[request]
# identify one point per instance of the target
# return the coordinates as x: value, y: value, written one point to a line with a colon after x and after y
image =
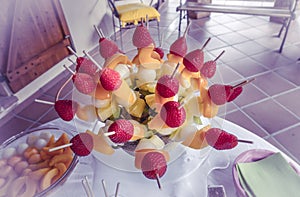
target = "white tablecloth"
x: 211, y: 167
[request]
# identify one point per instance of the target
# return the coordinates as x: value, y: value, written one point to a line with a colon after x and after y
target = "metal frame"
x: 287, y: 13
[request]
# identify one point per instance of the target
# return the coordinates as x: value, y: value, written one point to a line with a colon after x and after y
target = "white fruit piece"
x: 145, y: 76
x: 123, y: 70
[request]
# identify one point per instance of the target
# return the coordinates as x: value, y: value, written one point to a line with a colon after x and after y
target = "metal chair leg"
x: 281, y: 29
x: 179, y: 25
x: 114, y: 26
x: 285, y: 34
x: 121, y: 36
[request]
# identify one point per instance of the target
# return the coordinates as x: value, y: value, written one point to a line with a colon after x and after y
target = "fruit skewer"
x: 222, y: 140
x: 220, y: 94
x: 209, y: 68
x: 81, y: 144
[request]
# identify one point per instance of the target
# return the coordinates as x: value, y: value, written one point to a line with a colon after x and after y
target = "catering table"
x: 213, y: 169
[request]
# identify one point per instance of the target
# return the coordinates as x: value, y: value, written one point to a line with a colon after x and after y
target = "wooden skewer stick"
x: 175, y: 70
x: 93, y: 60
x: 104, y: 188
x: 72, y: 61
x: 72, y: 51
x: 158, y: 181
x: 246, y: 141
x: 219, y: 56
x: 185, y: 100
x: 243, y: 83
x: 117, y: 189
x: 98, y: 32
x: 70, y: 144
x: 204, y: 45
x: 69, y: 69
x: 44, y: 102
x: 60, y: 147
x: 109, y: 133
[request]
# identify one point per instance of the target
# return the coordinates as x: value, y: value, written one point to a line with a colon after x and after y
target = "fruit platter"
x: 154, y: 108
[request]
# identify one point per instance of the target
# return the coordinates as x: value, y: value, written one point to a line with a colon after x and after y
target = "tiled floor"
x: 269, y: 106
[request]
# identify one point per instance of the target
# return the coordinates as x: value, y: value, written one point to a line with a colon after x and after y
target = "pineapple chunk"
x: 137, y: 108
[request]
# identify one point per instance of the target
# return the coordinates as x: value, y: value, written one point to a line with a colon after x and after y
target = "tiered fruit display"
x: 148, y: 102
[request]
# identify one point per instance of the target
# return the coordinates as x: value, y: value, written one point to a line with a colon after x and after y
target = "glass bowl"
x: 15, y: 156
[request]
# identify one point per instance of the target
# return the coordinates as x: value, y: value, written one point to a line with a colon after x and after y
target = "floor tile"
x: 291, y: 101
x: 225, y: 74
x: 13, y: 127
x: 250, y: 48
x: 249, y: 95
x: 237, y: 25
x: 230, y: 54
x: 272, y: 84
x: 227, y: 108
x: 34, y: 111
x: 271, y: 116
x: 218, y: 30
x: 215, y: 43
x: 247, y: 67
x: 233, y: 38
x: 255, y: 21
x: 272, y: 43
x: 242, y: 120
x: 272, y: 59
x: 252, y: 33
x: 275, y: 143
x: 290, y: 140
x: 223, y: 18
x: 291, y: 52
x: 291, y: 73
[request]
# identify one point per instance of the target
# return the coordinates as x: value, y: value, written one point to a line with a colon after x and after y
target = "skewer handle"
x: 109, y: 133
x: 246, y: 141
x: 60, y: 147
x: 44, y: 102
x: 93, y: 60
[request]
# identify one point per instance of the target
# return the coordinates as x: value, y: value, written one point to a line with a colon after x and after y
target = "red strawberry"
x: 154, y: 165
x: 160, y: 51
x: 84, y: 83
x: 141, y: 37
x: 219, y: 93
x: 193, y: 61
x: 79, y: 60
x: 123, y: 131
x: 82, y: 144
x: 167, y: 86
x: 220, y: 139
x: 209, y: 69
x: 235, y: 93
x: 66, y: 109
x: 86, y: 66
x: 110, y: 79
x: 172, y: 114
x: 179, y: 47
x: 107, y: 48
